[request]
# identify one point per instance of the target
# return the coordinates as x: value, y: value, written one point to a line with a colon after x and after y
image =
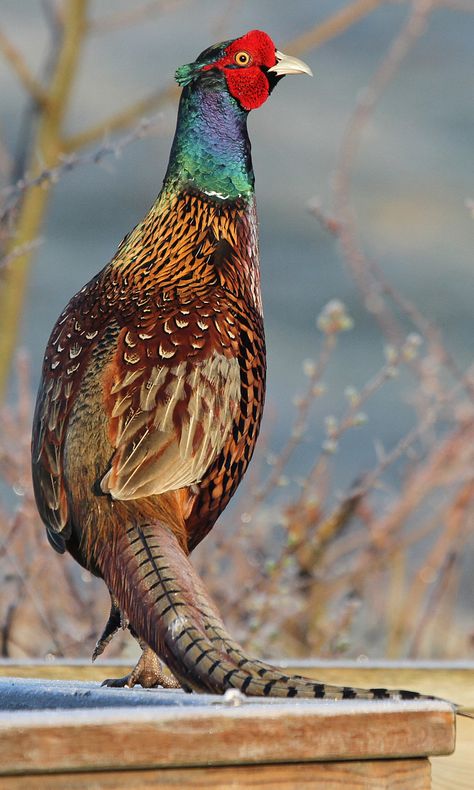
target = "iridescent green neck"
x: 211, y: 148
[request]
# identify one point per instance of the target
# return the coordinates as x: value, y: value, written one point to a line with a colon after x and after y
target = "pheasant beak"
x: 287, y: 64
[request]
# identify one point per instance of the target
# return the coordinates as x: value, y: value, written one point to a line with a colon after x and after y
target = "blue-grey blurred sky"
x: 414, y: 174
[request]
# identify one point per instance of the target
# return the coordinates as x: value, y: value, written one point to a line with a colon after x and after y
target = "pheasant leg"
x: 112, y: 625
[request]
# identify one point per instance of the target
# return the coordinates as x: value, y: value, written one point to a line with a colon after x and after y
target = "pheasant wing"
x: 172, y: 395
x: 65, y: 362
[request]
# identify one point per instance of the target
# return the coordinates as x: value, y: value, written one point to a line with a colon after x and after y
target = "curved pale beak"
x: 287, y: 64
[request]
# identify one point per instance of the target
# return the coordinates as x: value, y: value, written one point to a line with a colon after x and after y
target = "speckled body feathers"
x: 170, y: 335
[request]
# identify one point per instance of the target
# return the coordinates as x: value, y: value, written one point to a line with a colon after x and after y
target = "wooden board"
x: 384, y: 775
x: 212, y: 734
x: 440, y: 678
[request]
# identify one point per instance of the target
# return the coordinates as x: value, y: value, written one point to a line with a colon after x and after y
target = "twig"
x: 18, y: 251
x: 121, y: 120
x: 19, y: 66
x: 33, y: 207
x: 222, y: 23
x: 5, y: 160
x: 434, y: 599
x: 366, y: 273
x: 417, y: 487
x: 33, y: 111
x: 343, y: 211
x: 428, y: 328
x: 5, y: 630
x: 10, y: 195
x: 303, y: 408
x: 42, y: 612
x: 441, y: 560
x: 334, y: 26
x: 141, y: 13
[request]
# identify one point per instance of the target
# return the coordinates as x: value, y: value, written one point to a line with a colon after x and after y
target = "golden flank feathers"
x: 170, y: 430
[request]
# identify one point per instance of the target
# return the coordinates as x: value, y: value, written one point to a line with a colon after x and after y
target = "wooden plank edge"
x: 411, y: 774
x: 279, y: 733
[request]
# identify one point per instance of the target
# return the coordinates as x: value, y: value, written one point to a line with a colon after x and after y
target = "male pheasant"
x: 153, y: 387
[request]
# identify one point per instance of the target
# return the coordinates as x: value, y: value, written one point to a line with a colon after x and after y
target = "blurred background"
x: 352, y: 534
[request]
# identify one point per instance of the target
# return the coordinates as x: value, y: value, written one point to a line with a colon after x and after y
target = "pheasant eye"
x: 242, y: 58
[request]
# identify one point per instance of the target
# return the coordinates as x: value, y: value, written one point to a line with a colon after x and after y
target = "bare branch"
x: 121, y: 120
x: 47, y: 144
x: 19, y: 251
x: 361, y: 270
x: 303, y: 406
x: 222, y: 23
x: 135, y: 16
x: 22, y: 71
x: 366, y: 273
x: 12, y: 194
x: 5, y: 160
x: 334, y: 26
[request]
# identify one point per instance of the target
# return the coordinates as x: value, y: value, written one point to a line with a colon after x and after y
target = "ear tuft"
x: 185, y: 74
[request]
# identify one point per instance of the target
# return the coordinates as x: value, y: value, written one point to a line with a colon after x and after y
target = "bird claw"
x: 148, y: 673
x: 118, y: 682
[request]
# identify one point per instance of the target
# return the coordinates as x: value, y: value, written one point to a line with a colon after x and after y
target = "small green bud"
x: 411, y: 346
x: 309, y: 368
x: 352, y: 395
x: 391, y: 354
x: 334, y: 318
x: 359, y: 419
x: 331, y: 425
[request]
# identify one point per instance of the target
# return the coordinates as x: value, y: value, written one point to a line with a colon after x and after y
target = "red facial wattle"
x: 249, y: 86
x: 248, y: 83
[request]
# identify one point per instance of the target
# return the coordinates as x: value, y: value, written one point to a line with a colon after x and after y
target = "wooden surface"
x: 449, y: 773
x: 387, y: 775
x: 214, y: 734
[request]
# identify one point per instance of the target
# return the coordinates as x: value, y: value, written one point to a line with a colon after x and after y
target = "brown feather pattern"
x: 171, y: 334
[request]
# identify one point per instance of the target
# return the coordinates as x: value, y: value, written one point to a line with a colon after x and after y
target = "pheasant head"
x: 211, y: 151
x: 249, y: 67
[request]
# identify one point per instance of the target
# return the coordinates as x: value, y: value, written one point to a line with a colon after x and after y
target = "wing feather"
x: 183, y: 418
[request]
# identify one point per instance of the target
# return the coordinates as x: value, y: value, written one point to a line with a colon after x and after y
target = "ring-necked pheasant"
x: 153, y: 387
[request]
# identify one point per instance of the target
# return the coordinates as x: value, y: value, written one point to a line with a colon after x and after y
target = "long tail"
x: 167, y: 605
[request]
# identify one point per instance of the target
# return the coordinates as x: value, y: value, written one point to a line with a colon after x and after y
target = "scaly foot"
x: 148, y: 673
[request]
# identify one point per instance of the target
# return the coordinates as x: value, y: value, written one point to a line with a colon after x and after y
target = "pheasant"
x: 153, y: 386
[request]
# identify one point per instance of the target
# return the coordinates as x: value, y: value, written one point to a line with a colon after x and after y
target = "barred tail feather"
x: 166, y: 603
